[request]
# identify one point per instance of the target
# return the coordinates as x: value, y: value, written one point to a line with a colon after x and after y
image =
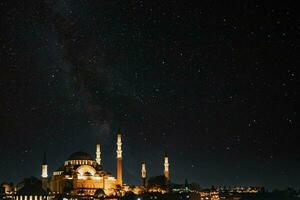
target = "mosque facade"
x: 82, y: 174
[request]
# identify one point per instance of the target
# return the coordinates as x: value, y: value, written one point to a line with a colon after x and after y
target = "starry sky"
x: 212, y: 84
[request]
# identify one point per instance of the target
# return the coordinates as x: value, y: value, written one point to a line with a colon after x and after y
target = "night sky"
x: 212, y: 84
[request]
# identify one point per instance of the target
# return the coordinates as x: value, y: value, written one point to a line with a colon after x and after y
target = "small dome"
x: 80, y: 155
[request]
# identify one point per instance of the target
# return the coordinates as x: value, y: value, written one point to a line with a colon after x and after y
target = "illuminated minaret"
x: 144, y: 173
x: 166, y: 168
x: 119, y: 159
x: 98, y: 154
x: 44, y: 167
x: 44, y: 173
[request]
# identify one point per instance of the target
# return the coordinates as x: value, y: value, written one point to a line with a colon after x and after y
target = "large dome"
x: 80, y: 155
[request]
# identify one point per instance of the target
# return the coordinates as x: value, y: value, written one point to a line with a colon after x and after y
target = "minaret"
x: 44, y: 167
x: 144, y: 174
x: 166, y: 168
x: 98, y: 154
x: 44, y: 173
x: 119, y: 159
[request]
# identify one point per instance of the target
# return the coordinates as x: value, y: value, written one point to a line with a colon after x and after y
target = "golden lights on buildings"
x: 81, y: 174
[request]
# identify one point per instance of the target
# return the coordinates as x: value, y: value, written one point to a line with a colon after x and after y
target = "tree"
x: 194, y: 186
x: 158, y: 182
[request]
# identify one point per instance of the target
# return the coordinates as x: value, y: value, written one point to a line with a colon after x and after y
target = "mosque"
x: 81, y: 174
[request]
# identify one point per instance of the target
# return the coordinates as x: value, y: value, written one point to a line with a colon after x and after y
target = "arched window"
x: 86, y: 169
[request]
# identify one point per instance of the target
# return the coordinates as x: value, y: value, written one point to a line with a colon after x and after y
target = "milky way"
x: 213, y: 85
